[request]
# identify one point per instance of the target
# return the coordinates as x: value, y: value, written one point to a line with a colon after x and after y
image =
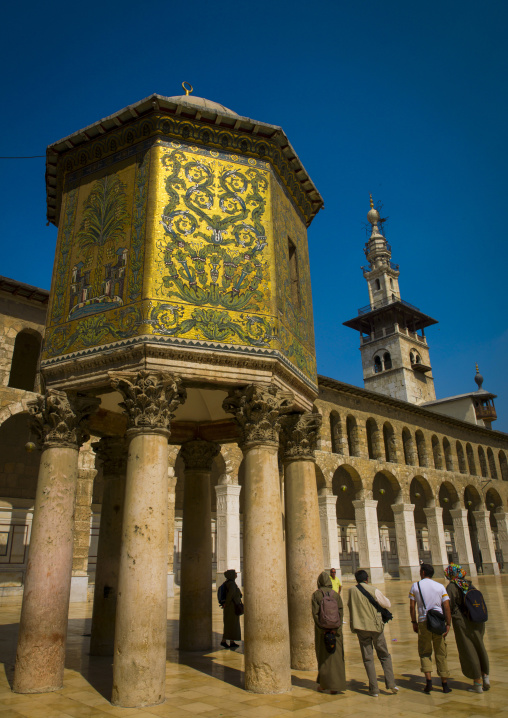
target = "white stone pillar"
x: 486, y: 542
x: 139, y: 665
x: 195, y: 626
x: 502, y: 534
x: 407, y: 548
x: 437, y: 540
x: 304, y: 555
x: 228, y: 531
x: 462, y: 539
x: 329, y: 532
x: 267, y: 654
x: 367, y: 530
x: 171, y: 530
x: 40, y: 658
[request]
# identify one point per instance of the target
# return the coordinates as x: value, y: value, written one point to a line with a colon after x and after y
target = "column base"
x: 79, y: 589
x: 409, y: 573
x: 376, y: 574
x: 490, y: 569
x: 171, y: 585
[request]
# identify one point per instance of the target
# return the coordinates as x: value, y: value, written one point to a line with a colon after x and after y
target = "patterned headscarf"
x: 456, y: 574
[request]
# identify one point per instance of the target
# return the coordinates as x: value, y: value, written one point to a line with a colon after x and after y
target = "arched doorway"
x: 420, y: 494
x: 386, y: 491
x: 449, y: 500
x: 347, y: 487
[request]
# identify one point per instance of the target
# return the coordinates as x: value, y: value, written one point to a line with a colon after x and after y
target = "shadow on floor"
x: 416, y: 683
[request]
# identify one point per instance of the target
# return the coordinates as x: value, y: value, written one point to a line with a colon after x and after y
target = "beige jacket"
x: 362, y: 614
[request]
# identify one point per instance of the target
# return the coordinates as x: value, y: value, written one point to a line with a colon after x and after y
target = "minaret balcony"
x: 418, y: 366
x: 486, y: 412
x: 384, y: 303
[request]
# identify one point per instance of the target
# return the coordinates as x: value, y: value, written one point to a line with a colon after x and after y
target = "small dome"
x: 373, y: 216
x: 478, y: 378
x: 202, y: 103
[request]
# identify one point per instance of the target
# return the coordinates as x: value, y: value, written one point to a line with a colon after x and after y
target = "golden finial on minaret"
x: 477, y: 370
x: 371, y: 202
x: 189, y: 89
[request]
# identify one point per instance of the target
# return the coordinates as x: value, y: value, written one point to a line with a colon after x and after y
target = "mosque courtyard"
x: 210, y: 684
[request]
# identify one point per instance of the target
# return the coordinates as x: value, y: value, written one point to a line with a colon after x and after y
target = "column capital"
x: 299, y: 436
x: 458, y: 513
x: 199, y: 454
x: 112, y: 452
x: 228, y: 489
x: 401, y: 508
x: 365, y: 503
x: 59, y: 420
x: 150, y: 398
x: 257, y: 411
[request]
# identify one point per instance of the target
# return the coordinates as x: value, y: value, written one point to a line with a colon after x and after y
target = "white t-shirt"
x: 433, y: 594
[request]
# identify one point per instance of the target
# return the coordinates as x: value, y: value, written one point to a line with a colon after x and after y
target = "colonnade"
x: 130, y: 605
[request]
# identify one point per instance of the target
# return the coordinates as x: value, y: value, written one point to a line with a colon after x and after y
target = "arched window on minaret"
x: 387, y: 361
x: 378, y: 366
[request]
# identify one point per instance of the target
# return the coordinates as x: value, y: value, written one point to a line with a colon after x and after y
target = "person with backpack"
x: 469, y: 614
x: 230, y: 600
x: 327, y: 612
x: 430, y: 599
x: 367, y: 615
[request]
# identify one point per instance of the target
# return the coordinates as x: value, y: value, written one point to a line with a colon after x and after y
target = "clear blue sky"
x: 404, y: 100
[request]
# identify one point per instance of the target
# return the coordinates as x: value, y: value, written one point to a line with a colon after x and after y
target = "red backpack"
x: 329, y: 616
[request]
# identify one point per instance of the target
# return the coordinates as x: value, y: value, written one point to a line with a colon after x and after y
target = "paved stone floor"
x: 209, y: 684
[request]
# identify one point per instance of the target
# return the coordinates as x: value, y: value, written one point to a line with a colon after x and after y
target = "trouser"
x: 428, y: 641
x: 369, y: 640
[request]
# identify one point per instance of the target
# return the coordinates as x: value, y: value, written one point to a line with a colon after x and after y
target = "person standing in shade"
x: 366, y: 621
x: 434, y: 596
x: 232, y: 631
x: 474, y: 660
x: 332, y: 672
x: 336, y: 584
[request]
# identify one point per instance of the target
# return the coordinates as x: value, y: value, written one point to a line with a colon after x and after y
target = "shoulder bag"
x: 436, y: 622
x: 385, y: 613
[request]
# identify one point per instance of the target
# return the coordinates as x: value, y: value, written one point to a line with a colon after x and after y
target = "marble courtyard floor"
x: 210, y: 684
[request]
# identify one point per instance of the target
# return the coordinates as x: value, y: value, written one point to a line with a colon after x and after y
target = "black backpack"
x: 474, y: 606
x: 222, y: 593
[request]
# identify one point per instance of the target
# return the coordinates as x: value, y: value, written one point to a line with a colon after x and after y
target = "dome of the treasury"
x: 202, y: 103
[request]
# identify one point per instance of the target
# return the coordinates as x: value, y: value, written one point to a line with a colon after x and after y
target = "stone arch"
x: 347, y: 486
x: 483, y: 462
x: 436, y: 451
x: 472, y: 498
x: 448, y: 499
x: 493, y: 501
x: 447, y: 450
x: 321, y: 485
x: 470, y: 459
x: 422, y: 496
x: 353, y: 442
x: 421, y: 448
x: 492, y: 463
x: 473, y: 502
x: 19, y: 470
x: 461, y: 459
x: 25, y: 360
x: 503, y: 465
x: 336, y: 433
x: 387, y: 491
x: 408, y: 447
x: 373, y: 439
x: 390, y: 444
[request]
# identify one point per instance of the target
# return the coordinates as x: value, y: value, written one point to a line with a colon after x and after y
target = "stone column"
x: 486, y: 540
x: 407, y: 548
x: 171, y: 529
x: 58, y: 423
x: 82, y: 515
x: 329, y: 533
x: 462, y: 540
x: 367, y: 530
x: 195, y: 627
x: 304, y: 553
x: 112, y: 452
x: 267, y: 655
x: 228, y: 530
x: 139, y: 667
x: 437, y: 540
x: 502, y: 534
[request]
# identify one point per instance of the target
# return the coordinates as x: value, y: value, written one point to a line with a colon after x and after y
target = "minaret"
x: 395, y: 355
x: 484, y: 407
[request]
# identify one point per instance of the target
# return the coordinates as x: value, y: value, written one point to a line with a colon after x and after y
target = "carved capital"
x: 199, y: 454
x: 112, y: 452
x: 150, y: 398
x: 59, y: 420
x: 299, y: 436
x: 257, y: 411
